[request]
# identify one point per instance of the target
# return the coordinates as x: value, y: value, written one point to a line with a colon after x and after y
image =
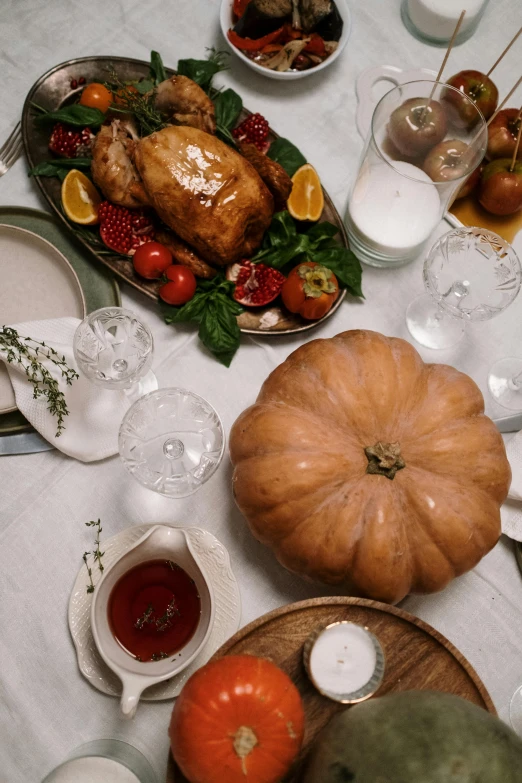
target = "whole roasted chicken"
x: 205, y: 191
x: 216, y: 202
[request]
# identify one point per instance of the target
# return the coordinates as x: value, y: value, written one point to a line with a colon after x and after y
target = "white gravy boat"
x: 160, y: 542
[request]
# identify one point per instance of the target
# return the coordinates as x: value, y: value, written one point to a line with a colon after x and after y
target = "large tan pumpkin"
x: 363, y: 467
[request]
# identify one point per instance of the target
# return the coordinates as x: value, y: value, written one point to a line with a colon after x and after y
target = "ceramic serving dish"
x: 227, y: 21
x: 157, y: 543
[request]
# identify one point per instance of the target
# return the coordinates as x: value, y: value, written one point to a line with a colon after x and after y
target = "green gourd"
x: 415, y: 737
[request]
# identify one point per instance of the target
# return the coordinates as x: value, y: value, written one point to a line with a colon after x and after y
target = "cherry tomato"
x: 181, y: 286
x: 151, y: 260
x: 96, y: 96
x: 310, y: 290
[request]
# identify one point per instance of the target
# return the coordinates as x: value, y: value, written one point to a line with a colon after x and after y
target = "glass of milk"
x: 104, y: 761
x: 434, y: 21
x: 397, y: 199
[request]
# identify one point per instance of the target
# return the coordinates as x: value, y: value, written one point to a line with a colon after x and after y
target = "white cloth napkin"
x: 511, y: 511
x: 95, y: 414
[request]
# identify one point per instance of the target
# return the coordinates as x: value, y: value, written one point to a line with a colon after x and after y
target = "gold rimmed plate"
x: 51, y: 91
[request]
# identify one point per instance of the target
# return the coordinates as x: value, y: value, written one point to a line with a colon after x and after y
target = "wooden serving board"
x: 417, y: 657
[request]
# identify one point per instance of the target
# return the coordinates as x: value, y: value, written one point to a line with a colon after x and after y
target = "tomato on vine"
x: 181, y: 286
x: 151, y: 260
x: 96, y: 96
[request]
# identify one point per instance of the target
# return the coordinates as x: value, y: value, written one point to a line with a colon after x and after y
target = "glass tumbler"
x: 425, y: 139
x: 171, y: 441
x: 114, y: 349
x: 104, y: 761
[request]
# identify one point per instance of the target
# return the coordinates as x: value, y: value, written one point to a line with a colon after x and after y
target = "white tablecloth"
x: 46, y: 707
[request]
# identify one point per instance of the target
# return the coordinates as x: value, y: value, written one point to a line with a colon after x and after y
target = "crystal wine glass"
x: 114, y: 349
x: 505, y: 383
x: 172, y: 441
x: 471, y: 274
x: 515, y: 711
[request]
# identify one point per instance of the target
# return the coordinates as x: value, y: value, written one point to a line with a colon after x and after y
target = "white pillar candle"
x: 92, y: 769
x: 438, y: 18
x: 345, y: 662
x: 394, y: 214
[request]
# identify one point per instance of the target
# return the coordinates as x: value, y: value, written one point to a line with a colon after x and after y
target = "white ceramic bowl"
x: 159, y: 542
x: 226, y: 19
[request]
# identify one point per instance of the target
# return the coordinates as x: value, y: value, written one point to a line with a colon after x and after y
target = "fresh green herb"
x: 76, y: 115
x: 97, y: 553
x: 90, y: 586
x: 203, y: 71
x: 26, y: 352
x: 57, y: 166
x: 141, y: 106
x: 144, y: 86
x: 345, y: 266
x: 157, y: 69
x: 213, y: 308
x: 164, y: 622
x: 145, y: 618
x: 282, y: 244
x: 158, y: 656
x: 287, y: 155
x: 228, y: 105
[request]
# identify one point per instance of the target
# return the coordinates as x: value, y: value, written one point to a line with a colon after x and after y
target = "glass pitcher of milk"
x: 434, y: 21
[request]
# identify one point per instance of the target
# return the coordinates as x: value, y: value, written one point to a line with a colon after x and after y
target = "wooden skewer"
x: 513, y: 159
x: 506, y: 50
x: 445, y: 60
x: 508, y: 96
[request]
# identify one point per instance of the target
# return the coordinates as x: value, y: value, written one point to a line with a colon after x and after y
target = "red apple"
x: 446, y: 161
x: 470, y: 184
x: 479, y: 88
x: 501, y: 188
x: 502, y: 135
x: 415, y: 127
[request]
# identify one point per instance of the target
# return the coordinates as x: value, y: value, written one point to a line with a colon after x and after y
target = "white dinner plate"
x: 36, y: 282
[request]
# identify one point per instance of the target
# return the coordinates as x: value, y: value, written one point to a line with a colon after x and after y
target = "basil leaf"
x: 228, y: 105
x: 344, y: 264
x: 144, y: 86
x: 213, y: 308
x: 219, y: 331
x: 157, y: 69
x: 200, y: 71
x: 279, y: 257
x: 79, y: 116
x: 321, y: 232
x: 54, y: 167
x: 287, y: 155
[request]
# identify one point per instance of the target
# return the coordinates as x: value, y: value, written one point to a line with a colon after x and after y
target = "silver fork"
x: 10, y: 150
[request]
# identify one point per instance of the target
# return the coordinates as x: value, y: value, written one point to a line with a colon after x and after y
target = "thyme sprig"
x: 130, y: 100
x: 96, y: 553
x: 145, y: 618
x: 26, y: 352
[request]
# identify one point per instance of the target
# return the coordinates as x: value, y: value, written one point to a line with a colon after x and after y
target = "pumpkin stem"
x: 384, y: 459
x: 244, y: 743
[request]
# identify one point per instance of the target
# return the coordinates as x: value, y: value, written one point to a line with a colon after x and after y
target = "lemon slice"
x: 306, y: 201
x: 80, y: 198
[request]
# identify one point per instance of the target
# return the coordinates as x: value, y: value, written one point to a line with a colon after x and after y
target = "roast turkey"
x: 205, y: 191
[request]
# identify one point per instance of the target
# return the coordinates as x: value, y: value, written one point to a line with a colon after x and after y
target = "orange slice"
x: 306, y: 200
x: 80, y: 198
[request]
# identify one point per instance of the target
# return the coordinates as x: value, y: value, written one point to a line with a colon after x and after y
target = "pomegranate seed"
x: 253, y: 130
x: 74, y: 84
x: 68, y: 143
x: 81, y: 80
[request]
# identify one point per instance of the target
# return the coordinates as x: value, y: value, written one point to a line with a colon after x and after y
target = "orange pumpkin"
x: 239, y: 719
x: 364, y: 467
